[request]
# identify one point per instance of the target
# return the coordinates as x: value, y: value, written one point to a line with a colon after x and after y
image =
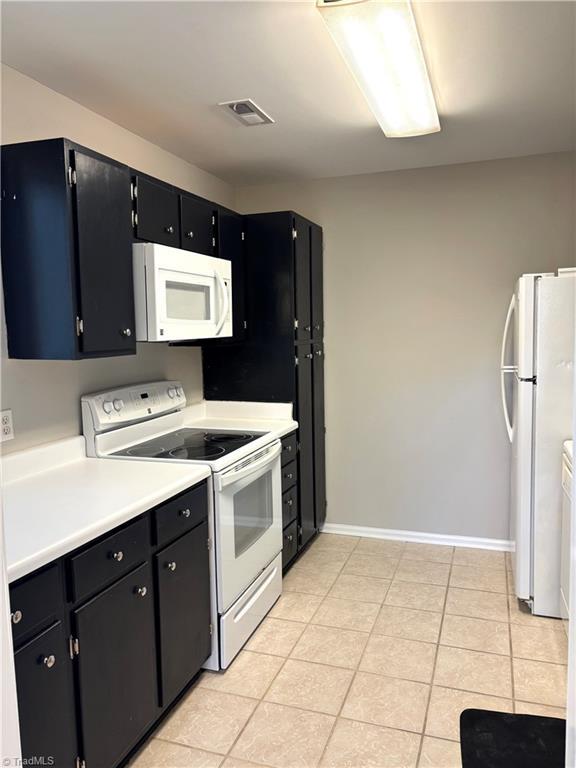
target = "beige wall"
x: 44, y: 396
x: 419, y: 268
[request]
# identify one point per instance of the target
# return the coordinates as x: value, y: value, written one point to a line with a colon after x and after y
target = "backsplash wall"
x: 44, y: 395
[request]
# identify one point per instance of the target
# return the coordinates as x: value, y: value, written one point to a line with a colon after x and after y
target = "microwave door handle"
x: 225, y: 302
x: 232, y: 477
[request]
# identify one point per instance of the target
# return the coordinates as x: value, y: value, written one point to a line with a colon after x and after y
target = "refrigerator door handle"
x: 507, y: 326
x: 508, y: 422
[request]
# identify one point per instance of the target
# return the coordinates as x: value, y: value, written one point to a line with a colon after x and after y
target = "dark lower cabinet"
x: 46, y: 700
x: 184, y: 609
x: 109, y: 635
x: 117, y: 668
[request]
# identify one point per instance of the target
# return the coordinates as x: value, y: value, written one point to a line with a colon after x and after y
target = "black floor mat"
x: 499, y: 740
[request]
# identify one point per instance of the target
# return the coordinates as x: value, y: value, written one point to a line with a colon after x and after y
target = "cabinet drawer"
x: 289, y: 543
x: 103, y: 563
x: 289, y: 448
x: 36, y: 601
x: 289, y: 506
x: 181, y: 514
x: 289, y: 476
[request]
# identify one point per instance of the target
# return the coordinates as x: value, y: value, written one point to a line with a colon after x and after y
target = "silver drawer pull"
x: 288, y: 448
x: 190, y: 234
x: 118, y: 556
x: 288, y: 476
x: 16, y: 617
x: 169, y: 230
x: 171, y: 566
x: 126, y: 332
x: 290, y: 537
x: 141, y: 591
x: 290, y: 502
x: 185, y: 513
x: 49, y: 661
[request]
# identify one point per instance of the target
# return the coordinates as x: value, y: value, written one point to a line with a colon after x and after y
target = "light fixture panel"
x: 379, y: 41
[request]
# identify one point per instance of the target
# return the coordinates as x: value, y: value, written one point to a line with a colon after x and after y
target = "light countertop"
x: 55, y: 499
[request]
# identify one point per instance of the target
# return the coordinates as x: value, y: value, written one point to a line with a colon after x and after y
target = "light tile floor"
x: 367, y: 660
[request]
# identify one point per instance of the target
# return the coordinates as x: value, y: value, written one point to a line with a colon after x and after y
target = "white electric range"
x: 149, y: 422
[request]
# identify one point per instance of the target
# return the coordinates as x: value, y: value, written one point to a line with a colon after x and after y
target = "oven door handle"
x: 231, y: 477
x: 225, y: 302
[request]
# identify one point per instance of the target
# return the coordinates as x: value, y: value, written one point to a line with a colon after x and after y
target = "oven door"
x: 248, y: 509
x: 180, y: 295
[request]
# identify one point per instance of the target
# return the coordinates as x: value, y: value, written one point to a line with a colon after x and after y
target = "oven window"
x: 187, y: 302
x: 252, y: 513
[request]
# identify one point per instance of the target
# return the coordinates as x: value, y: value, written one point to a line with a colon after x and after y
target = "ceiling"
x: 503, y: 74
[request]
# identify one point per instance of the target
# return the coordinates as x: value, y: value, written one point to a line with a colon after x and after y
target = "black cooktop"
x: 190, y: 444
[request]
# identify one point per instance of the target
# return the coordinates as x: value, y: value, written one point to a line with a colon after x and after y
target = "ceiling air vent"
x: 247, y: 112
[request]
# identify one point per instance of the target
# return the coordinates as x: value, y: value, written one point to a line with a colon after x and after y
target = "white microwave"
x: 180, y: 295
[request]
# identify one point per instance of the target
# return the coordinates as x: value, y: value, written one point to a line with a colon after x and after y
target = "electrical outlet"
x: 6, y: 426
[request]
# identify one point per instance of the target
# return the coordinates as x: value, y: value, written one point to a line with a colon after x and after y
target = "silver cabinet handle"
x: 190, y: 234
x: 289, y: 476
x: 126, y: 332
x: 141, y: 591
x: 169, y: 230
x: 118, y: 556
x: 307, y: 327
x: 171, y: 566
x: 185, y: 513
x: 288, y: 448
x: 319, y: 352
x: 49, y: 661
x: 309, y: 356
x: 317, y: 327
x: 290, y: 537
x: 16, y: 617
x: 290, y: 502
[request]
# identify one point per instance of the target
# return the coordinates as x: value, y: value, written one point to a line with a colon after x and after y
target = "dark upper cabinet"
x: 302, y: 276
x: 157, y: 212
x: 46, y: 699
x: 317, y: 281
x: 305, y: 410
x: 319, y: 434
x: 66, y: 252
x: 117, y: 672
x: 198, y: 225
x: 182, y: 575
x: 104, y: 247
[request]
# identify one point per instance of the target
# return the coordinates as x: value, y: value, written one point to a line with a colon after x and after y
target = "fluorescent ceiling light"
x: 379, y: 41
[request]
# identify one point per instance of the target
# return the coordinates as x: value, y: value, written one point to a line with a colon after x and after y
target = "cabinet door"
x: 305, y: 435
x: 317, y: 281
x: 302, y: 280
x: 117, y: 668
x: 158, y: 210
x: 319, y: 435
x: 197, y: 225
x: 46, y: 699
x: 183, y: 578
x: 104, y: 256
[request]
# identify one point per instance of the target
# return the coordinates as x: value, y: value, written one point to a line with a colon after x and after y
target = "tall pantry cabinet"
x: 281, y: 358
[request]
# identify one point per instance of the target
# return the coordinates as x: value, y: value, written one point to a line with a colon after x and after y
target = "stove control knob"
x: 118, y: 405
x: 180, y: 391
x: 107, y: 406
x: 172, y: 392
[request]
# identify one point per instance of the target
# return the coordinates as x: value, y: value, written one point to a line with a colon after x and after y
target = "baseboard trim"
x: 419, y: 537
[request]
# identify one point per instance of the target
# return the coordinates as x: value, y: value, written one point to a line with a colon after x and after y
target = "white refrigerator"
x: 536, y: 381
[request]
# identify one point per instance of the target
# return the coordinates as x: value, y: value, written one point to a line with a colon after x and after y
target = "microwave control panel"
x: 126, y: 405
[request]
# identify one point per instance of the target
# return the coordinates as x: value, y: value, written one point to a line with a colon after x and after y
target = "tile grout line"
x: 427, y: 710
x: 512, y: 686
x: 353, y: 678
